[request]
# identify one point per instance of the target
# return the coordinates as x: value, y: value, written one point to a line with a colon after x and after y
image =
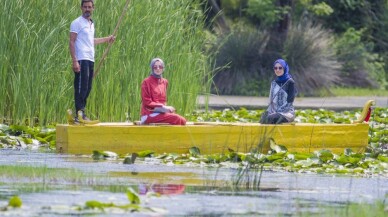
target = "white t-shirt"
x: 84, y: 44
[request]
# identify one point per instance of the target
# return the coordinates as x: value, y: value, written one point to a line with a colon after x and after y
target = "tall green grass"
x: 35, y: 67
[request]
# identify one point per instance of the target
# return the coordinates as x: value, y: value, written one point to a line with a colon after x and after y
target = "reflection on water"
x: 185, y: 190
x: 163, y: 189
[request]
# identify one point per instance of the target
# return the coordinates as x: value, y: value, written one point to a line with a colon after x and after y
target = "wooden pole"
x: 110, y: 44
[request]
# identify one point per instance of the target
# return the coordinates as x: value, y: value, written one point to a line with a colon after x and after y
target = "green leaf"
x: 277, y: 148
x: 276, y: 156
x: 109, y: 154
x: 41, y: 140
x: 133, y: 197
x: 97, y: 155
x: 325, y: 155
x: 162, y: 156
x: 305, y: 163
x: 250, y: 159
x: 15, y: 202
x: 383, y: 158
x: 343, y: 159
x: 342, y: 170
x: 194, y: 151
x: 358, y: 170
x: 146, y: 153
x: 96, y: 204
x: 27, y: 140
x: 301, y: 156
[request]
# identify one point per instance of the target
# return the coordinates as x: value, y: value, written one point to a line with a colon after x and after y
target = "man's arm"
x: 109, y: 39
x: 73, y: 37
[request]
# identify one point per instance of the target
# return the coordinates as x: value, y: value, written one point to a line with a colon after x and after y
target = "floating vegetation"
x: 373, y: 161
x: 133, y: 206
x: 278, y: 158
x: 14, y: 202
x: 21, y: 137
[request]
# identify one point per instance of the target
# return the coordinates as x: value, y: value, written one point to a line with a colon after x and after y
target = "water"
x: 185, y: 190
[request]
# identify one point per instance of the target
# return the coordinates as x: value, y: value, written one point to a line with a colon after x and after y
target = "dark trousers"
x: 274, y: 118
x: 83, y: 84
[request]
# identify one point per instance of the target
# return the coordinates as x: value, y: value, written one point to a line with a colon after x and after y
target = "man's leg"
x: 82, y: 85
x: 78, y: 101
x: 90, y: 74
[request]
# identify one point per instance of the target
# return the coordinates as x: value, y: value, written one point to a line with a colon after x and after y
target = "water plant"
x: 15, y: 202
x: 133, y: 206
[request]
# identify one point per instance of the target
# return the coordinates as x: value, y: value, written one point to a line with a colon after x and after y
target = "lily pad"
x: 15, y: 202
x: 146, y: 153
x: 133, y: 197
x: 277, y: 148
x: 194, y: 151
x: 325, y: 155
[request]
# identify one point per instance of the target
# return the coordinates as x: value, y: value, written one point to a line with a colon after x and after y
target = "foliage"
x: 322, y: 9
x: 360, y: 67
x: 265, y: 11
x: 323, y: 161
x: 35, y: 65
x: 282, y: 20
x: 311, y: 10
x: 233, y: 8
x: 17, y: 135
x: 238, y: 54
x: 348, y: 14
x: 310, y: 57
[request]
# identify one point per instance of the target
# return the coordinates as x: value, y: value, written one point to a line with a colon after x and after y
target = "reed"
x: 36, y: 70
x: 41, y: 173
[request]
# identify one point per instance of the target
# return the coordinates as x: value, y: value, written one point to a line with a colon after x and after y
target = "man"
x: 81, y: 46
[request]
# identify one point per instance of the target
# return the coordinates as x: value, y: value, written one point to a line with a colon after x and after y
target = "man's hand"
x: 76, y: 66
x: 111, y: 38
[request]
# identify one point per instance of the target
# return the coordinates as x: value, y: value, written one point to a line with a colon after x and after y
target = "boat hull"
x: 210, y: 138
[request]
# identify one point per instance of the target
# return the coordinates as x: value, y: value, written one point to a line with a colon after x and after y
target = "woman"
x: 154, y: 98
x: 281, y: 96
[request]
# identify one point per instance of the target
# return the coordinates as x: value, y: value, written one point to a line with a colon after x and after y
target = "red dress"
x: 154, y: 94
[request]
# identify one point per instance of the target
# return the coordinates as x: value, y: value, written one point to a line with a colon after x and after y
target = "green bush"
x: 238, y: 57
x: 312, y: 62
x: 361, y: 67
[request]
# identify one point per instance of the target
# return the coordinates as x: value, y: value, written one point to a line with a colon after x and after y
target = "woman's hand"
x: 169, y: 108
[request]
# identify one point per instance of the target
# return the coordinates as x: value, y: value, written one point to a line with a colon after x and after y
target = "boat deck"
x: 210, y: 138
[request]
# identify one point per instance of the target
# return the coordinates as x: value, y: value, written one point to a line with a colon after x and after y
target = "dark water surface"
x: 183, y: 190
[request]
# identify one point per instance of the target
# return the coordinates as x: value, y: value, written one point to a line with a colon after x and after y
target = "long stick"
x: 110, y: 44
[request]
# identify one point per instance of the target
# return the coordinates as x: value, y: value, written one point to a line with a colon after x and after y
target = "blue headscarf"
x: 153, y: 61
x: 286, y: 74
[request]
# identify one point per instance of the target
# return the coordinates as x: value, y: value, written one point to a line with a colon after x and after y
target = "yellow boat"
x: 212, y: 137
